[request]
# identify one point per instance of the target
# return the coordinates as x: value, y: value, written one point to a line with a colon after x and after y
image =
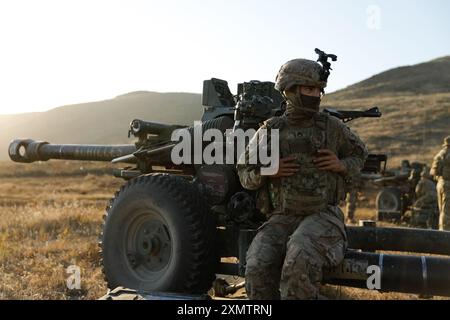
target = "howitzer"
x: 153, y: 147
x: 168, y: 232
x: 397, y: 192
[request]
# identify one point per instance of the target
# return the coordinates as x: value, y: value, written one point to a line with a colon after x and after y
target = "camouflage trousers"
x: 443, y: 191
x: 286, y: 258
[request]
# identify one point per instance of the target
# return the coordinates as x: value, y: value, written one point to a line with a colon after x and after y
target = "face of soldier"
x: 303, y: 102
x: 310, y: 91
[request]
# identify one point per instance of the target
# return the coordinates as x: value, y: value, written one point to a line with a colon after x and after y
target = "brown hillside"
x: 102, y: 122
x: 412, y: 127
x: 425, y: 78
x: 415, y: 102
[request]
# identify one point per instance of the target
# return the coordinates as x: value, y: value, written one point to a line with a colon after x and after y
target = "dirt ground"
x: 50, y: 219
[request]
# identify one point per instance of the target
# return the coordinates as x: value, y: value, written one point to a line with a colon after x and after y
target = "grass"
x: 49, y: 223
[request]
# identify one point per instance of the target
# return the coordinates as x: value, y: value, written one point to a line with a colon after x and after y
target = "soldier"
x: 305, y: 231
x: 405, y: 167
x: 440, y: 170
x: 352, y: 197
x: 425, y: 206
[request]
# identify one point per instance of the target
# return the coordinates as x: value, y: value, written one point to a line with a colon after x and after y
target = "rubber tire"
x: 192, y: 229
x: 392, y: 194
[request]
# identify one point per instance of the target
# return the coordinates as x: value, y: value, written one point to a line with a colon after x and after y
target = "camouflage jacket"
x: 441, y: 165
x: 426, y: 194
x: 339, y: 138
x: 425, y: 187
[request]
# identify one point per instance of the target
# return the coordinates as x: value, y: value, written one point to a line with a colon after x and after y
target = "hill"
x: 415, y: 102
x: 100, y: 122
x: 424, y: 78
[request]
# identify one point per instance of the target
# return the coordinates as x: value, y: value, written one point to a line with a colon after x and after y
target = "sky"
x: 59, y: 52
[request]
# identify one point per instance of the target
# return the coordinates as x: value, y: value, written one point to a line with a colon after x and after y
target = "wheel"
x: 389, y: 204
x: 389, y: 200
x: 157, y: 236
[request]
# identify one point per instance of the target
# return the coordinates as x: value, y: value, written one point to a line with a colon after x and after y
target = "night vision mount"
x: 326, y: 66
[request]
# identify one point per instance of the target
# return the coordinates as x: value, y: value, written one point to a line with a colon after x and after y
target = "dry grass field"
x: 48, y: 223
x: 50, y: 218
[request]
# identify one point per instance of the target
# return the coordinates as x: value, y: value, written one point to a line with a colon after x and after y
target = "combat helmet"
x: 305, y: 72
x: 299, y: 72
x: 425, y: 173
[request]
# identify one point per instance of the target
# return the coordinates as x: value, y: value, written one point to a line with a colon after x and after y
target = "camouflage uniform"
x: 352, y: 197
x: 305, y: 231
x: 425, y: 207
x: 441, y: 172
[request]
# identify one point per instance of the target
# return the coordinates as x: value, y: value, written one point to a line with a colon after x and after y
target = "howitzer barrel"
x: 386, y: 181
x: 397, y: 273
x: 138, y: 127
x: 27, y: 151
x: 399, y: 239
